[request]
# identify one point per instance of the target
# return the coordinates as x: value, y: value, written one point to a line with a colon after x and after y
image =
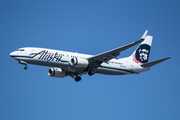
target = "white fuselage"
x: 61, y: 59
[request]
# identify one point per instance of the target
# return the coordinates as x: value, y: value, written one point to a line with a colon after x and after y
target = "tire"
x: 92, y: 72
x: 78, y: 78
x: 26, y: 67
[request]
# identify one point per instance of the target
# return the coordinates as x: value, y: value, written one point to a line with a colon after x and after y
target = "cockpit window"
x: 20, y: 50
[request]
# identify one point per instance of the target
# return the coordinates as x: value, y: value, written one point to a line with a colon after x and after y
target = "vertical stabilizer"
x: 141, y: 54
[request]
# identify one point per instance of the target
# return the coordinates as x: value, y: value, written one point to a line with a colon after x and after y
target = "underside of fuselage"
x: 113, y: 71
x: 68, y: 67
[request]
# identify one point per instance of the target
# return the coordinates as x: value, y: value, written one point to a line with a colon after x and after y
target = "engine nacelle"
x: 56, y: 72
x: 79, y: 62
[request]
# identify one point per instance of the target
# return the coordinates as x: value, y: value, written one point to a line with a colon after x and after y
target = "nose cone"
x: 11, y: 54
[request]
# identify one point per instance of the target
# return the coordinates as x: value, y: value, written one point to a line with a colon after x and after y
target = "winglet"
x: 144, y: 35
x: 154, y: 62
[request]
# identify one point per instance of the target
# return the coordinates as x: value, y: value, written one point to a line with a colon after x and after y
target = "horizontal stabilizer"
x: 149, y: 64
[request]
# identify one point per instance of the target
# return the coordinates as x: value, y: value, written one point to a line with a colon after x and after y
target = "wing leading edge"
x: 106, y: 56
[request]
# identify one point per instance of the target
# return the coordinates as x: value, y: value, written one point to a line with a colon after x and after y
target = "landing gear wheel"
x: 91, y: 72
x: 26, y: 67
x: 78, y: 78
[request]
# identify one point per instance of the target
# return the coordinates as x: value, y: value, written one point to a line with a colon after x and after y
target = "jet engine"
x: 79, y: 62
x: 57, y: 72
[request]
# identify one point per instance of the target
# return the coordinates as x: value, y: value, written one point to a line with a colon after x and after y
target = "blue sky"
x: 90, y: 27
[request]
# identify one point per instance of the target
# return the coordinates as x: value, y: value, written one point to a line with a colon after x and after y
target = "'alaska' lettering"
x: 47, y: 56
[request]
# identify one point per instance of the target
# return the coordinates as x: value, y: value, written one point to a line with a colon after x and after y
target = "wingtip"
x: 166, y: 58
x: 144, y: 35
x: 169, y: 57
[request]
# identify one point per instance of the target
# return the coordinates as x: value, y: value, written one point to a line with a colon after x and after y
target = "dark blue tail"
x: 141, y: 54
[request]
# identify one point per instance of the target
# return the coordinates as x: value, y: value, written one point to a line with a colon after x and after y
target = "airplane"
x: 72, y: 64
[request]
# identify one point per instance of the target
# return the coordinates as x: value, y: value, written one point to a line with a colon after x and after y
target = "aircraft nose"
x: 11, y: 54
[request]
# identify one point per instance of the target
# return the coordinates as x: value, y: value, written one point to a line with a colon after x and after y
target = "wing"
x: 106, y: 56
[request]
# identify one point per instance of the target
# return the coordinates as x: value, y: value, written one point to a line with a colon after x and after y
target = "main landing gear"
x: 91, y: 72
x: 78, y: 78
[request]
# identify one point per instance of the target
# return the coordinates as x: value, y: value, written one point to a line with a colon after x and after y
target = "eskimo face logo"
x: 142, y: 53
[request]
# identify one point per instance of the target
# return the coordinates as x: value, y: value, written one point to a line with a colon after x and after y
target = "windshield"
x: 20, y: 50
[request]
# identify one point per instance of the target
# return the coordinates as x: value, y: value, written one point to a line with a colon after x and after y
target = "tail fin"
x: 141, y: 54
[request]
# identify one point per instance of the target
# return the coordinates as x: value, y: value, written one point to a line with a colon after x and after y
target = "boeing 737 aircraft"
x: 75, y: 64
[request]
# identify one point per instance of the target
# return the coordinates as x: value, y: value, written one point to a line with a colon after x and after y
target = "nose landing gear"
x: 26, y: 67
x: 24, y: 63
